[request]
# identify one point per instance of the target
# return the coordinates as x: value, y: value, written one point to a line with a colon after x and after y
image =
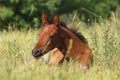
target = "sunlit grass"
x: 17, y: 63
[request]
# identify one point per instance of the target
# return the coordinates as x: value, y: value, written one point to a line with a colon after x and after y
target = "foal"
x: 54, y: 35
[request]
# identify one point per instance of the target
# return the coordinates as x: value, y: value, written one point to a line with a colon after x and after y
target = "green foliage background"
x: 17, y: 62
x: 28, y: 12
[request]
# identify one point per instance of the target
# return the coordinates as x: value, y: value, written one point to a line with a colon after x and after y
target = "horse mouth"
x: 36, y: 54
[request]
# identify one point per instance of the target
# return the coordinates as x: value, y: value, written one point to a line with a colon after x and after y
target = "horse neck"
x: 78, y: 50
x: 73, y: 37
x: 74, y: 43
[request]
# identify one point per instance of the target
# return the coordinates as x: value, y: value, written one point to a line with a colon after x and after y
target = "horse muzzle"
x: 37, y: 53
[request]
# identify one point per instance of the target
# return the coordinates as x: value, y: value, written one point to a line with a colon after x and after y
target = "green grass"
x: 17, y: 63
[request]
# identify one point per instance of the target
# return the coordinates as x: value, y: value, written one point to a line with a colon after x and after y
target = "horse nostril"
x: 36, y: 53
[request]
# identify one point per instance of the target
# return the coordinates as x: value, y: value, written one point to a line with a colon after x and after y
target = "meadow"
x: 17, y: 63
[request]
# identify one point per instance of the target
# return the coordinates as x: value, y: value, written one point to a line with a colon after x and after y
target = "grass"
x: 17, y: 63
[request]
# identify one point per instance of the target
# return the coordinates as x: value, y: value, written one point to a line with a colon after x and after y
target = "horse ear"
x: 44, y: 18
x: 56, y: 20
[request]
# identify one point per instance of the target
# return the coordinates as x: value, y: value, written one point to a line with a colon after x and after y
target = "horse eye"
x: 51, y: 36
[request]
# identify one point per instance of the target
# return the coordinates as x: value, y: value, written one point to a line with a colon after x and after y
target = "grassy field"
x: 17, y: 63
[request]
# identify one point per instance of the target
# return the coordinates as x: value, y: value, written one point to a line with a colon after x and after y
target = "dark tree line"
x: 21, y: 12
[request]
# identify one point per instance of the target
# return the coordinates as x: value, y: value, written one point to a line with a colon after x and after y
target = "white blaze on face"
x: 46, y: 30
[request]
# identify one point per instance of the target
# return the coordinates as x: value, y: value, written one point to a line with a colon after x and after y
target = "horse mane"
x: 79, y: 35
x: 74, y: 30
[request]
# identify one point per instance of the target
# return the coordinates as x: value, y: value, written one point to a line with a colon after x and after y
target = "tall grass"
x: 17, y: 63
